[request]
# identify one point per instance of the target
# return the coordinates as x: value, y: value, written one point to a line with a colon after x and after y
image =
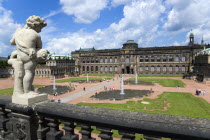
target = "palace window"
x: 164, y: 58
x: 141, y: 68
x: 110, y: 60
x: 183, y: 58
x: 146, y: 68
x: 92, y: 69
x: 164, y: 68
x: 115, y: 60
x: 158, y: 68
x: 141, y: 59
x: 171, y: 58
x: 116, y: 69
x: 87, y: 68
x: 146, y: 59
x: 92, y: 60
x: 101, y: 60
x: 106, y: 69
x: 110, y: 68
x: 96, y: 60
x: 177, y: 68
x: 152, y: 68
x: 106, y: 60
x: 177, y: 58
x: 170, y: 68
x: 101, y: 68
x: 127, y: 60
x: 88, y: 61
x: 152, y: 59
x: 96, y: 68
x: 183, y: 68
x: 158, y: 58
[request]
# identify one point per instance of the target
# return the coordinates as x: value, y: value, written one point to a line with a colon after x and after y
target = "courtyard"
x: 161, y: 100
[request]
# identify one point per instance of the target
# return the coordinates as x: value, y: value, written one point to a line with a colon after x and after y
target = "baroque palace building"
x: 144, y: 60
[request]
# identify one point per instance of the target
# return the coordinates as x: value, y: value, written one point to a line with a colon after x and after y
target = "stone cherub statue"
x: 24, y: 59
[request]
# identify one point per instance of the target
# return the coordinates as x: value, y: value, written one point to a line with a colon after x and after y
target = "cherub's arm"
x: 38, y: 42
x: 12, y: 41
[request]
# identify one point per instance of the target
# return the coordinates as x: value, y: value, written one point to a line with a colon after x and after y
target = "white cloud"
x: 84, y: 11
x: 140, y: 22
x: 186, y: 14
x: 7, y: 28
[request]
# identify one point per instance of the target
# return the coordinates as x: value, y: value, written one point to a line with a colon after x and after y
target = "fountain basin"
x: 49, y: 89
x: 115, y: 94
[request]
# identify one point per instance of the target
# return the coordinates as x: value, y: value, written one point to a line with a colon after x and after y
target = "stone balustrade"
x: 43, y: 120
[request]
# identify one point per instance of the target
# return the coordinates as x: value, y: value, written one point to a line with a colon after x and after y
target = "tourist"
x: 59, y: 100
x: 204, y: 93
x: 84, y: 88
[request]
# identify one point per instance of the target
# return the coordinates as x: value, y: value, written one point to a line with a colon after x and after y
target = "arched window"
x: 88, y: 61
x: 183, y: 58
x: 83, y: 68
x: 96, y: 60
x: 115, y: 68
x: 170, y: 68
x: 146, y: 59
x: 171, y: 58
x: 158, y: 58
x: 177, y: 68
x: 106, y: 60
x: 152, y: 68
x: 164, y: 58
x: 115, y: 59
x: 152, y: 59
x: 140, y: 68
x: 177, y: 58
x: 96, y: 68
x: 92, y: 69
x: 164, y: 68
x: 127, y: 59
x: 141, y: 59
x: 101, y: 68
x: 158, y: 68
x: 110, y: 60
x: 110, y: 68
x: 87, y: 68
x: 106, y: 69
x: 101, y: 60
x: 183, y: 68
x: 92, y: 60
x: 146, y: 68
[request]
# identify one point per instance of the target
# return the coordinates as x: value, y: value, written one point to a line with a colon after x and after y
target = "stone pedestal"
x: 29, y: 99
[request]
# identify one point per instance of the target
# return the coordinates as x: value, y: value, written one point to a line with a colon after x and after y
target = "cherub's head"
x: 36, y: 23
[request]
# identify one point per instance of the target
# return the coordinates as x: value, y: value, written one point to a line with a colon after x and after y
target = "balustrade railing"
x: 57, y: 121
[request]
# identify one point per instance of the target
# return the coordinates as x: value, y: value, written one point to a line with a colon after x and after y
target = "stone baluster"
x: 54, y: 133
x: 69, y: 131
x: 106, y: 133
x: 3, y: 121
x: 86, y: 132
x: 42, y: 128
x: 127, y: 135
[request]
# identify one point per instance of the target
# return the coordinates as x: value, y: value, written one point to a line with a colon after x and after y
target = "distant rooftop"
x: 130, y: 42
x: 86, y: 49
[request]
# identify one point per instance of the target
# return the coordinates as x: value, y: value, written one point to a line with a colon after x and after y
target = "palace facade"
x: 144, y: 60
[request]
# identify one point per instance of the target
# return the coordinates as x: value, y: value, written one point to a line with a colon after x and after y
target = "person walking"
x: 84, y: 88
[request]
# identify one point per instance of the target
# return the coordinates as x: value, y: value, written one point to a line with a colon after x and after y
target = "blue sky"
x: 107, y: 24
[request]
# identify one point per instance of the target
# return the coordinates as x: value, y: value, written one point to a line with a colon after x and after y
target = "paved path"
x: 89, y: 90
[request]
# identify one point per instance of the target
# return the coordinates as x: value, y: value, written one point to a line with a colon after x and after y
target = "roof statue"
x: 24, y: 60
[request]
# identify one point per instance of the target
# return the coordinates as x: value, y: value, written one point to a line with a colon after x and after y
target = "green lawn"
x: 182, y: 104
x: 9, y: 91
x: 108, y: 75
x: 163, y: 82
x: 80, y: 78
x: 140, y: 75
